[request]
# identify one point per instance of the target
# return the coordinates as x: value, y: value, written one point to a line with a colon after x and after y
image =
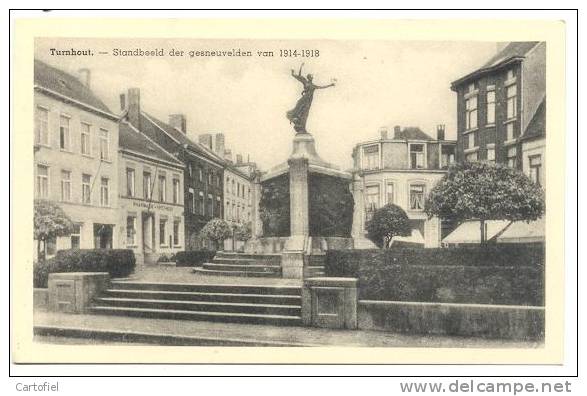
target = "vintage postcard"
x: 349, y: 192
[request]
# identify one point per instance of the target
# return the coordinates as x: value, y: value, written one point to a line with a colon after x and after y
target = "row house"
x: 75, y: 156
x: 203, y: 186
x: 401, y: 170
x: 501, y: 109
x: 151, y: 197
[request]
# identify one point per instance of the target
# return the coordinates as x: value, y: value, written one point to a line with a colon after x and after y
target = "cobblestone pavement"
x: 266, y: 333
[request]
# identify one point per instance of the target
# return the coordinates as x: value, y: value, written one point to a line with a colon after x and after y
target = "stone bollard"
x: 330, y: 302
x: 73, y: 292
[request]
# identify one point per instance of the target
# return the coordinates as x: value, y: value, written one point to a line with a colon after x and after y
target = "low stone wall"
x: 40, y: 298
x: 265, y: 245
x: 472, y: 320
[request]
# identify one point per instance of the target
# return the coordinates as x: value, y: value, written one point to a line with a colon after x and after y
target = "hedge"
x: 193, y: 258
x: 118, y: 263
x: 509, y: 275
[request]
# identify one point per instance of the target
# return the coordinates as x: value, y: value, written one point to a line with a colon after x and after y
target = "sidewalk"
x: 66, y: 328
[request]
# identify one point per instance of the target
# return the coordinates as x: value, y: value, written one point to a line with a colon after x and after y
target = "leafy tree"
x: 274, y: 207
x: 50, y: 221
x: 216, y: 230
x: 386, y: 223
x: 242, y: 231
x: 485, y: 191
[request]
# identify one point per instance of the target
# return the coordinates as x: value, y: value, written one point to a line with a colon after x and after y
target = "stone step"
x: 235, y: 288
x: 231, y: 255
x: 198, y: 315
x: 252, y: 274
x: 205, y: 296
x: 239, y: 267
x: 201, y: 306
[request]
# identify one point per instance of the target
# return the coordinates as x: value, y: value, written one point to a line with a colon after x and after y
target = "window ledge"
x: 510, y: 142
x: 471, y: 150
x: 42, y: 145
x: 510, y: 120
x: 66, y: 151
x: 471, y: 93
x: 87, y: 156
x: 509, y: 82
x: 490, y: 125
x: 470, y: 130
x: 108, y: 161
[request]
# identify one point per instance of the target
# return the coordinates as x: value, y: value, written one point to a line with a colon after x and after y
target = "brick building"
x: 75, y: 155
x: 203, y: 170
x: 401, y: 170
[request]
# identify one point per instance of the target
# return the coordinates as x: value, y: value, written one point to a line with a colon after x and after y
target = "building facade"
x: 497, y: 102
x: 75, y: 155
x: 237, y: 201
x: 203, y: 170
x: 151, y: 197
x: 400, y: 170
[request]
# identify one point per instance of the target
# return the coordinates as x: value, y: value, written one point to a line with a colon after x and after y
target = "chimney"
x: 206, y: 140
x: 383, y: 132
x: 122, y: 102
x: 84, y: 76
x: 440, y: 131
x: 239, y: 159
x: 178, y: 121
x: 219, y: 144
x: 228, y: 155
x: 133, y: 105
x: 396, y: 131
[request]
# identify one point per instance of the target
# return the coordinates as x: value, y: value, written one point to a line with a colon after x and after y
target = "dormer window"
x: 371, y: 157
x: 416, y: 156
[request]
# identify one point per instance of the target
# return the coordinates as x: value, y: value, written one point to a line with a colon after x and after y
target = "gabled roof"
x: 514, y: 51
x: 411, y: 133
x: 148, y: 121
x: 132, y: 140
x: 537, y: 125
x: 65, y: 84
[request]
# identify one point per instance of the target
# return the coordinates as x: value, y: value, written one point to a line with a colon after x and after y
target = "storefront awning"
x: 415, y: 238
x: 520, y: 231
x: 470, y: 231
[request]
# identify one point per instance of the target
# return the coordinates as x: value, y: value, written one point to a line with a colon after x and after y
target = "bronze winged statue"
x: 299, y: 114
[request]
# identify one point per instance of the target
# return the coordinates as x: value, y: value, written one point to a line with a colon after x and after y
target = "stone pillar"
x: 73, y: 292
x: 256, y: 223
x: 358, y: 214
x: 330, y: 302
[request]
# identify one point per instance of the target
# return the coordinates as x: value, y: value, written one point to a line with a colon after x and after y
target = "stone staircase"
x: 275, y: 304
x: 243, y: 264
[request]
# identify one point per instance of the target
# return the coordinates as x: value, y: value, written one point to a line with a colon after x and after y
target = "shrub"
x: 500, y: 274
x: 388, y: 222
x: 216, y: 230
x: 118, y: 263
x: 192, y: 258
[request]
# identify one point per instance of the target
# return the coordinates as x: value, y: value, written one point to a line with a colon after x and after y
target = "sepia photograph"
x: 289, y: 193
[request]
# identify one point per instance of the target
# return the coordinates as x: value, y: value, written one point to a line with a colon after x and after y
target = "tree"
x: 50, y: 221
x: 386, y: 223
x: 216, y: 230
x: 242, y: 231
x: 485, y: 191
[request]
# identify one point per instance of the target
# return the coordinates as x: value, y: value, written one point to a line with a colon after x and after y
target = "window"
x: 371, y: 157
x: 228, y: 211
x: 130, y: 182
x: 85, y: 139
x: 190, y: 170
x: 76, y: 236
x: 42, y: 181
x: 191, y: 201
x: 176, y: 224
x: 162, y: 188
x: 86, y: 180
x: 131, y: 231
x: 471, y: 87
x: 64, y: 138
x: 200, y: 174
x: 104, y: 192
x: 509, y: 130
x: 511, y: 101
x: 471, y: 157
x: 390, y: 193
x: 535, y: 168
x: 233, y: 187
x: 491, y: 153
x: 210, y: 205
x: 65, y: 186
x: 417, y: 196
x: 162, y: 235
x: 510, y: 75
x: 471, y: 112
x: 42, y: 126
x: 372, y: 201
x: 147, y: 186
x: 512, y: 155
x: 104, y: 141
x: 218, y: 209
x: 176, y: 191
x: 469, y: 140
x: 210, y: 178
x: 490, y: 107
x: 447, y: 157
x: 416, y: 156
x: 202, y: 204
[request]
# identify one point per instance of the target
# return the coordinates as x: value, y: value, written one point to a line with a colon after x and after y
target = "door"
x: 103, y: 236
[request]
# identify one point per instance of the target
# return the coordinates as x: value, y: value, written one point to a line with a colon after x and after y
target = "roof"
x: 411, y: 133
x: 520, y: 231
x: 63, y: 83
x: 132, y: 140
x: 512, y: 51
x: 537, y: 126
x: 148, y: 121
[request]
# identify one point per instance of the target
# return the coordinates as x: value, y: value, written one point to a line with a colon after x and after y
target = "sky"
x: 378, y: 83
